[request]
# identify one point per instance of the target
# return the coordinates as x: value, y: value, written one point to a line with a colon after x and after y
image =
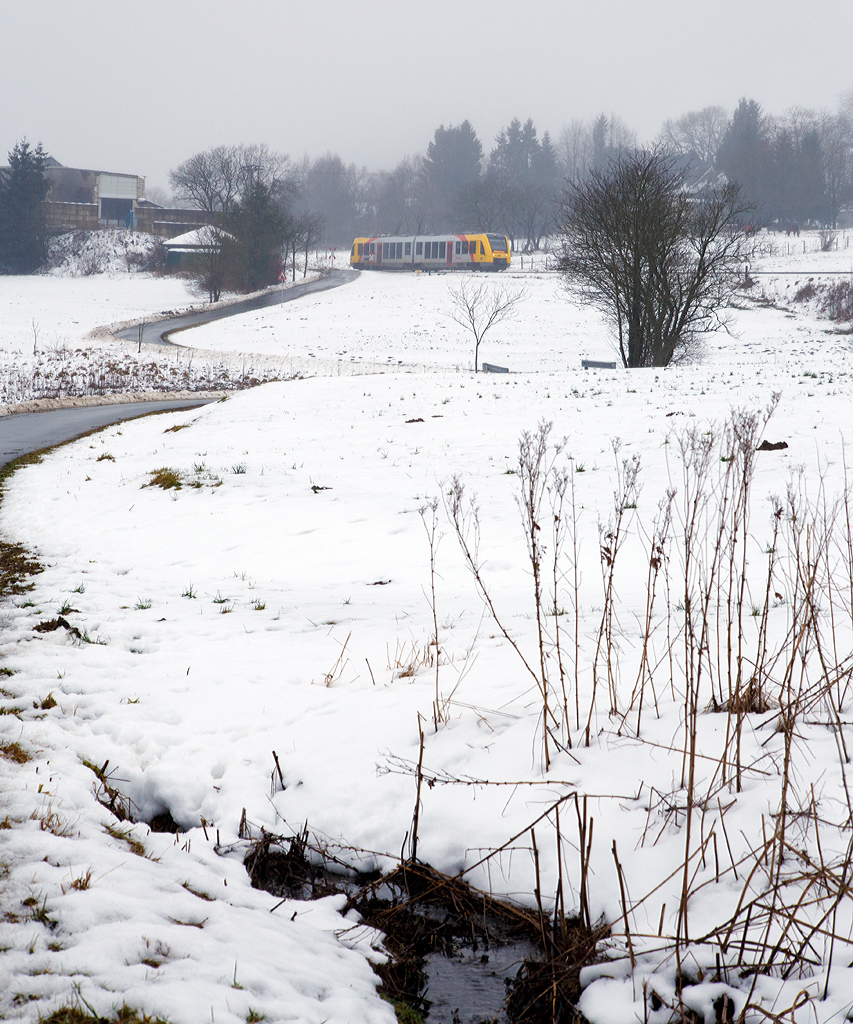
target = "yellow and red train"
x: 431, y: 252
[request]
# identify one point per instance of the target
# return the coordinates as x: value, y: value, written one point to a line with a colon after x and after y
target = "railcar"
x: 431, y: 252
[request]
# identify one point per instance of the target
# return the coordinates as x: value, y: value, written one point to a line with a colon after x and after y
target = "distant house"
x: 86, y: 200
x: 183, y: 249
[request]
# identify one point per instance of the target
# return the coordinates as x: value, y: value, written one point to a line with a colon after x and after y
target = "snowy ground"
x: 280, y: 601
x: 56, y: 329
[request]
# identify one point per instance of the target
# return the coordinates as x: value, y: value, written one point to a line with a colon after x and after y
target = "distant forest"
x: 796, y: 168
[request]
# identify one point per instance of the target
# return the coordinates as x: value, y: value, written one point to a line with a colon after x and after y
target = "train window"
x: 473, y: 247
x: 361, y: 248
x: 408, y: 248
x: 458, y: 248
x: 399, y: 250
x: 497, y: 242
x: 442, y: 247
x: 373, y: 248
x: 464, y: 247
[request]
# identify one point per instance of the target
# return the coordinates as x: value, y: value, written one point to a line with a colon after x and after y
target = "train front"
x: 501, y: 257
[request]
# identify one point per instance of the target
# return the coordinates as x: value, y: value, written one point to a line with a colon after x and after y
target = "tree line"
x: 794, y: 169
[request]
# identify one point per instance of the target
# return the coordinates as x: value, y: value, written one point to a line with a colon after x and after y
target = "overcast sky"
x: 139, y: 87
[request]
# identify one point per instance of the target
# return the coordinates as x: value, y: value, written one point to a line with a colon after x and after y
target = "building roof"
x: 201, y: 238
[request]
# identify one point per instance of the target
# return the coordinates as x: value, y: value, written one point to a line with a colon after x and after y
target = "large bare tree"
x: 216, y: 179
x: 658, y: 260
x: 698, y: 133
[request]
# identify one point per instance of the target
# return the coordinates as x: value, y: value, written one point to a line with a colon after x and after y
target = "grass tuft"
x: 14, y: 752
x: 166, y: 478
x: 16, y: 564
x: 125, y: 835
x: 81, y: 882
x: 76, y: 1015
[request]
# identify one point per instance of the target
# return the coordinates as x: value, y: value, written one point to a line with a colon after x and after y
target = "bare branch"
x: 479, y: 306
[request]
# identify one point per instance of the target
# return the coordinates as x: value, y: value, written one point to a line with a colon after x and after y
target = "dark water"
x: 457, y: 959
x: 470, y: 987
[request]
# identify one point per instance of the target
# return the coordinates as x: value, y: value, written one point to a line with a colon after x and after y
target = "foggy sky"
x: 139, y: 87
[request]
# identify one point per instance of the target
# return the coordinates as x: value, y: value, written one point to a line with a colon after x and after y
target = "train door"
x: 378, y: 254
x: 450, y: 252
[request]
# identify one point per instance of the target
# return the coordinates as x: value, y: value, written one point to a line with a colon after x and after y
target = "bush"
x: 808, y: 291
x: 838, y: 301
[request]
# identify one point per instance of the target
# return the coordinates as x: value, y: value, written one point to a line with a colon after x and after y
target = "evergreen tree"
x: 451, y: 165
x: 811, y: 180
x: 745, y: 155
x: 23, y: 189
x: 545, y: 166
x: 600, y: 152
x: 260, y: 228
x: 526, y: 174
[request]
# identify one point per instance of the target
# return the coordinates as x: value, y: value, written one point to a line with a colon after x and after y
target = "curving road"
x: 27, y: 432
x: 31, y: 431
x: 158, y: 333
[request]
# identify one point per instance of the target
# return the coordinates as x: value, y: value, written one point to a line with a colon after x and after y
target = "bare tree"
x: 211, y: 264
x: 274, y: 171
x: 574, y: 149
x: 479, y: 306
x: 658, y: 260
x: 836, y: 143
x: 699, y: 132
x: 209, y: 180
x: 159, y: 195
x: 303, y: 231
x: 216, y: 179
x: 482, y: 202
x: 396, y: 198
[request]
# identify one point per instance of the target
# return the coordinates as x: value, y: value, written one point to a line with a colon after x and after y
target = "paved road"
x: 30, y: 431
x: 157, y: 333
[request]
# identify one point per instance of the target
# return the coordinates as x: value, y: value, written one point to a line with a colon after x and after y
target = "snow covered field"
x: 56, y: 329
x: 280, y: 600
